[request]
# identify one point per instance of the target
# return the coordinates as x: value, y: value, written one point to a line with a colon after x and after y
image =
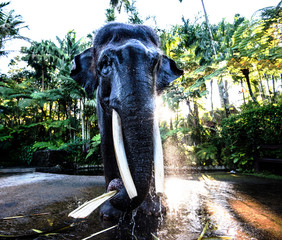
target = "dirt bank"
x: 21, y: 193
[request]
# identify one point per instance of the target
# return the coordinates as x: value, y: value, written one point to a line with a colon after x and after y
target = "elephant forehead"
x: 134, y: 44
x: 137, y: 44
x: 118, y: 32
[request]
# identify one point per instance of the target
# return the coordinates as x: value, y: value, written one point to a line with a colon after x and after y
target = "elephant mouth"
x: 123, y: 163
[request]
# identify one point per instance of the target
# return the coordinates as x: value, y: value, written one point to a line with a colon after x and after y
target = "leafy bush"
x: 74, y: 150
x: 242, y: 133
x: 95, y: 146
x: 206, y: 154
x: 26, y: 154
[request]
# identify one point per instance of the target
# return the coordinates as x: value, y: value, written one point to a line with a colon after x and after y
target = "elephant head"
x: 128, y: 69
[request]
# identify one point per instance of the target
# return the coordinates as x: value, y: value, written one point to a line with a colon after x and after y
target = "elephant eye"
x: 105, y: 66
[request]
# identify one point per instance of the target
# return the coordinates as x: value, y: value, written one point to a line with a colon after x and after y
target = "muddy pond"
x: 215, y: 205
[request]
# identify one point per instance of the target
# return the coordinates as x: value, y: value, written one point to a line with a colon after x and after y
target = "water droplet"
x: 132, y: 222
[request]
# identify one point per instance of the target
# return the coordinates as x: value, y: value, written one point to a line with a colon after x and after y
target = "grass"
x: 267, y: 175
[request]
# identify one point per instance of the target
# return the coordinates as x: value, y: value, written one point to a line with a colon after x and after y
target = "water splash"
x: 161, y: 218
x: 132, y: 222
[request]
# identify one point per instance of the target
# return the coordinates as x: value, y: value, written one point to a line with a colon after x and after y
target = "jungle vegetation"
x: 41, y: 107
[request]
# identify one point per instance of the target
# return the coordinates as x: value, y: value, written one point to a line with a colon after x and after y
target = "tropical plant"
x: 42, y: 107
x: 46, y: 102
x: 256, y: 47
x: 10, y: 26
x: 95, y: 148
x: 253, y: 127
x: 128, y: 6
x: 43, y: 57
x: 207, y: 154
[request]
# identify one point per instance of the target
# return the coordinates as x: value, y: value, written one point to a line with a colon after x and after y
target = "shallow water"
x: 215, y: 205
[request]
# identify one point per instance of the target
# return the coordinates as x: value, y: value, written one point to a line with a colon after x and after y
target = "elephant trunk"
x: 138, y: 140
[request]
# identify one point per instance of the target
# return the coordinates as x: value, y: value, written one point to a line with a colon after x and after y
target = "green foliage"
x: 74, y: 150
x: 10, y: 26
x: 110, y: 14
x: 95, y: 146
x: 26, y: 154
x: 241, y: 133
x: 44, y: 145
x: 207, y: 154
x: 44, y: 108
x: 129, y: 7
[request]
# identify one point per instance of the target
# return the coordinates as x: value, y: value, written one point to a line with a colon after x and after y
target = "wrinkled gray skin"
x: 128, y: 69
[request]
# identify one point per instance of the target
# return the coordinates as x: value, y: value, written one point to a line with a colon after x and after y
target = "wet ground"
x: 199, y: 206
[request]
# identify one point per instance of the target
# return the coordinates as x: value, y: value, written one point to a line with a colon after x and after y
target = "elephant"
x: 128, y: 71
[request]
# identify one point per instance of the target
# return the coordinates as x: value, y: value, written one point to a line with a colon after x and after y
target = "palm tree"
x: 119, y: 3
x: 208, y: 26
x: 222, y: 91
x: 10, y: 26
x: 129, y: 7
x: 43, y: 57
x: 256, y: 47
x: 70, y: 46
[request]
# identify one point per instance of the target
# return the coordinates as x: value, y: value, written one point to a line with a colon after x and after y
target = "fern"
x: 238, y: 34
x: 91, y: 103
x: 5, y: 138
x: 44, y: 145
x: 23, y: 103
x: 95, y: 142
x: 207, y: 152
x: 215, y: 73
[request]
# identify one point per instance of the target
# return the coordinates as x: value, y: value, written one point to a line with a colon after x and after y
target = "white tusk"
x: 158, y: 160
x: 121, y: 156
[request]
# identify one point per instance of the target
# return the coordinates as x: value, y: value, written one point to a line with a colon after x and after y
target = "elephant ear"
x: 168, y: 73
x: 83, y: 73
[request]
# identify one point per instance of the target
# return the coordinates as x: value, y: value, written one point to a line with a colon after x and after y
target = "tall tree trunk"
x: 261, y: 88
x: 58, y: 113
x: 224, y: 96
x: 195, y: 115
x: 74, y: 115
x: 268, y: 87
x: 246, y: 73
x: 209, y: 29
x: 197, y: 123
x: 82, y: 124
x: 211, y: 99
x: 220, y: 84
x: 273, y: 86
x: 243, y: 91
x: 88, y: 133
x: 42, y: 78
x: 171, y: 124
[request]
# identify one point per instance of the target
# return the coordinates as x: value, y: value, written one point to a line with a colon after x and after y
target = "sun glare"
x: 180, y: 192
x: 163, y: 112
x: 174, y: 188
